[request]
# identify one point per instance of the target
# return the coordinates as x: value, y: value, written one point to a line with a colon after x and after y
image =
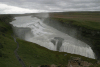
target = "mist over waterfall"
x: 33, y: 29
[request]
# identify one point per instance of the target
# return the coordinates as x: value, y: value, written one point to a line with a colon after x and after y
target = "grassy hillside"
x: 89, y: 20
x: 31, y: 53
x: 82, y: 23
x: 7, y: 44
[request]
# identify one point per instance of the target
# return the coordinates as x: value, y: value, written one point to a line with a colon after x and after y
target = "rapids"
x: 34, y: 29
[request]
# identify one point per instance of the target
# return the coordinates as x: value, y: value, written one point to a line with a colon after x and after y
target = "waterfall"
x: 74, y: 49
x: 33, y: 29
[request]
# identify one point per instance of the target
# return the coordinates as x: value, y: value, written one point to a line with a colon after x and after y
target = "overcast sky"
x: 33, y: 6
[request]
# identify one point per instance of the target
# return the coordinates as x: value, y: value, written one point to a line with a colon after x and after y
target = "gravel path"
x: 16, y: 54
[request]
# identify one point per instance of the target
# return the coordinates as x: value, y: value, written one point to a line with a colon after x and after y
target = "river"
x: 33, y: 29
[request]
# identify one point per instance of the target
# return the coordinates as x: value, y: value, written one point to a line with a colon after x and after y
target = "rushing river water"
x: 33, y: 29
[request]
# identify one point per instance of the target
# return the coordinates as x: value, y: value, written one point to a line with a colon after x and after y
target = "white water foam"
x: 42, y: 34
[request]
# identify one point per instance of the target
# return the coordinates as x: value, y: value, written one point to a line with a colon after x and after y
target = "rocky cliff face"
x: 89, y: 36
x: 74, y: 62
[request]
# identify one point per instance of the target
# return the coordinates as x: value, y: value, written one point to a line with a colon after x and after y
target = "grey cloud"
x: 55, y: 5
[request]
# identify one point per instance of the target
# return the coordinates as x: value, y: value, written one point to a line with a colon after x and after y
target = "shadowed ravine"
x: 34, y: 29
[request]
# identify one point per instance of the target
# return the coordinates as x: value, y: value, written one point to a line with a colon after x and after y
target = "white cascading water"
x: 34, y: 30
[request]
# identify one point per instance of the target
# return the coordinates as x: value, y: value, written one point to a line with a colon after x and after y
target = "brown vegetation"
x: 91, y: 16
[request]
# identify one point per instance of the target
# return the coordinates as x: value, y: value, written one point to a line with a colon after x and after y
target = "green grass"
x: 7, y: 56
x: 82, y: 23
x: 86, y: 24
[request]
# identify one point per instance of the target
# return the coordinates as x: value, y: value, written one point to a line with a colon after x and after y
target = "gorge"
x: 34, y: 29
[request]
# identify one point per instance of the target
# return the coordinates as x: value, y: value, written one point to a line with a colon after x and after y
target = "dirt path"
x: 16, y: 54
